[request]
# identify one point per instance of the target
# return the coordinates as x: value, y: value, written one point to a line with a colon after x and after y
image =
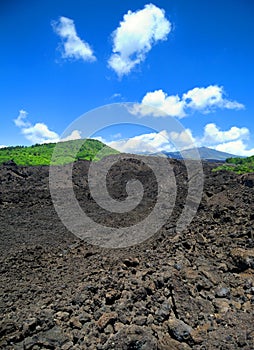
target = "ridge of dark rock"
x: 188, y: 290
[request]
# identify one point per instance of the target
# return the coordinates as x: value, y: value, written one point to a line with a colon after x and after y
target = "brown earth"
x: 188, y: 290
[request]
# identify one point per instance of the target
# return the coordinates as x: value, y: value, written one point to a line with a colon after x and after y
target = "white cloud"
x: 231, y: 141
x: 158, y: 103
x: 153, y: 142
x: 201, y: 99
x: 117, y: 95
x: 72, y: 46
x: 75, y: 135
x: 39, y: 132
x: 135, y: 36
x: 235, y: 147
x: 21, y: 121
x: 3, y: 146
x: 183, y: 140
x: 205, y: 99
x: 212, y: 134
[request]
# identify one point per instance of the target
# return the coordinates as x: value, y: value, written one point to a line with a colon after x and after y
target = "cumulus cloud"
x: 159, y: 104
x: 201, y: 99
x: 183, y: 140
x: 234, y: 141
x: 212, y: 134
x: 39, y: 132
x: 235, y: 147
x: 3, y: 146
x: 72, y: 46
x: 153, y: 142
x: 135, y: 36
x: 205, y: 99
x: 150, y: 143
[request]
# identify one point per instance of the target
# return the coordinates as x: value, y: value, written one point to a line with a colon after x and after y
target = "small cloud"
x: 72, y: 46
x: 116, y: 136
x: 75, y: 135
x: 203, y: 100
x: 3, y: 146
x: 21, y: 121
x: 135, y: 36
x: 159, y: 104
x: 116, y: 96
x: 39, y: 132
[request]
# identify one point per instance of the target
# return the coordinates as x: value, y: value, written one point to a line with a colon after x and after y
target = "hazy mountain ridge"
x: 204, y: 153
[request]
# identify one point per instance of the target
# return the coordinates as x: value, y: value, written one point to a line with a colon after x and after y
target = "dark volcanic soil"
x: 193, y: 290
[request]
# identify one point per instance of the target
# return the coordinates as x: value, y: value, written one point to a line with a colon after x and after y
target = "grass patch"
x: 65, y: 152
x: 238, y: 165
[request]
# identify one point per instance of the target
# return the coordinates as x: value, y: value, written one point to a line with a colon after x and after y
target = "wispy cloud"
x: 72, y: 46
x: 135, y: 36
x: 39, y: 132
x: 21, y: 120
x: 200, y: 99
x: 116, y: 96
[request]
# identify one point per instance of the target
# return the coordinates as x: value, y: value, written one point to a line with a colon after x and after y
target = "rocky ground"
x: 188, y: 290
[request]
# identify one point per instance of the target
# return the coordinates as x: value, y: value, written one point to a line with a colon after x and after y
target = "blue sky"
x: 191, y: 59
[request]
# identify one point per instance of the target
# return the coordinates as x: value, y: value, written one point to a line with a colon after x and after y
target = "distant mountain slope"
x: 41, y: 154
x: 204, y: 153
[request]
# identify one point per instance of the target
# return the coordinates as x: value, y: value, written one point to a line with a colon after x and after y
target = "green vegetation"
x: 238, y: 165
x: 65, y: 152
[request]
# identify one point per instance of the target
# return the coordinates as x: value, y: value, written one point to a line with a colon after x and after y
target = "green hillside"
x: 42, y: 154
x: 238, y: 165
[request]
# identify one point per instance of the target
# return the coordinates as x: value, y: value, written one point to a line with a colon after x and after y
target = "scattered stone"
x: 243, y: 258
x: 111, y: 296
x: 163, y: 312
x: 106, y: 318
x: 131, y: 262
x: 165, y: 342
x: 63, y: 316
x: 221, y: 306
x: 199, y: 334
x: 6, y: 327
x: 179, y: 329
x: 140, y: 320
x: 132, y: 337
x: 222, y: 292
x: 75, y: 323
